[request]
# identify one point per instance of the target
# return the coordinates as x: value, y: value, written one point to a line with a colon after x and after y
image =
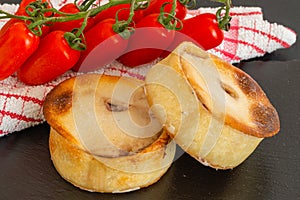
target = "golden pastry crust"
x: 214, y: 111
x: 95, y: 174
x: 89, y: 145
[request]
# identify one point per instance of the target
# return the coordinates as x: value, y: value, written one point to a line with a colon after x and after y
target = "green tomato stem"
x: 173, y: 8
x: 70, y: 17
x: 169, y: 20
x: 122, y: 27
x: 95, y: 11
x: 84, y: 24
x: 75, y: 38
x: 8, y: 15
x: 224, y: 21
x: 131, y: 12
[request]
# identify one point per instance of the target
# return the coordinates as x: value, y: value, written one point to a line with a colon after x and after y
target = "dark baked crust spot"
x: 59, y: 100
x: 63, y: 102
x: 266, y: 119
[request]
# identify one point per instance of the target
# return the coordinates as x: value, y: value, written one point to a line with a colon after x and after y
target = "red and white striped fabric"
x: 250, y: 36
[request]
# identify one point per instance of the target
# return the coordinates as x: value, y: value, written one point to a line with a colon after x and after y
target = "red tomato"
x: 53, y: 57
x: 16, y: 45
x: 202, y: 29
x: 70, y: 8
x: 149, y: 40
x: 22, y: 12
x: 103, y: 46
x: 155, y: 6
x: 122, y: 15
x: 8, y: 24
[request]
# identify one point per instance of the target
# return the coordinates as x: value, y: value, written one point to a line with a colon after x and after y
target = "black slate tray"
x: 271, y: 172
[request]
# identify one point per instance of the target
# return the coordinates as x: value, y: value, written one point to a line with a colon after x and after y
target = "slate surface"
x: 271, y: 172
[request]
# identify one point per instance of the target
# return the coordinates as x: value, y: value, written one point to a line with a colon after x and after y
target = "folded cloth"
x: 250, y: 36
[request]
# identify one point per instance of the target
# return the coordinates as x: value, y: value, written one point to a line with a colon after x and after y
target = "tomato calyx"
x: 37, y: 8
x: 122, y: 27
x: 74, y: 41
x: 35, y: 11
x: 75, y: 38
x: 169, y: 20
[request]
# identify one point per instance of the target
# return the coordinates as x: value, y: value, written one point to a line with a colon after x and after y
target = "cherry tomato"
x: 155, y: 7
x: 202, y: 30
x: 22, y: 12
x: 8, y: 24
x: 53, y: 57
x: 16, y: 46
x: 147, y: 43
x: 103, y: 46
x: 122, y: 15
x: 70, y: 8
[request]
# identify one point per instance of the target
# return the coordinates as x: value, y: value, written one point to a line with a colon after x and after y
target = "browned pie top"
x: 227, y: 92
x: 262, y: 117
x: 106, y: 115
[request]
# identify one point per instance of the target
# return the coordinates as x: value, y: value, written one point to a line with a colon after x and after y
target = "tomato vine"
x: 82, y: 27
